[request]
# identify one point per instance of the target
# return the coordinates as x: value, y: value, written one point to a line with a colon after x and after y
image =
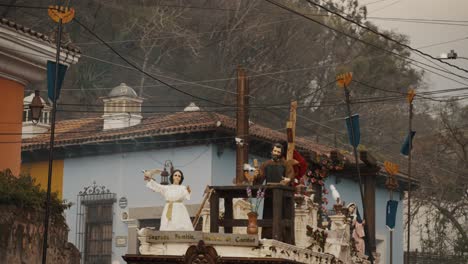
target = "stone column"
x: 205, y: 215
x: 302, y: 218
x: 338, y: 241
x: 313, y: 211
x: 132, y: 236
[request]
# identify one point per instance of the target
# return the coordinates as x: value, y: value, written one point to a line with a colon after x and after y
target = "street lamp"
x: 165, y: 174
x: 36, y: 107
x: 452, y: 55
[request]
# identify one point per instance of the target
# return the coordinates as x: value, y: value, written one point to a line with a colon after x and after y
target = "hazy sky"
x: 426, y: 34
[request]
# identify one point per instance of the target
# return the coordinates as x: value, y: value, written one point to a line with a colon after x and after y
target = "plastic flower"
x: 325, y: 200
x: 249, y: 192
x: 262, y: 194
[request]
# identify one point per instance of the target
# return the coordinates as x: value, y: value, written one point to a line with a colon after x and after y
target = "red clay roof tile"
x: 90, y: 130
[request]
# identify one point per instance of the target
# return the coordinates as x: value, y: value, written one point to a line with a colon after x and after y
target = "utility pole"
x: 60, y: 15
x: 392, y: 185
x: 410, y: 98
x: 344, y: 81
x: 242, y: 128
x: 291, y: 130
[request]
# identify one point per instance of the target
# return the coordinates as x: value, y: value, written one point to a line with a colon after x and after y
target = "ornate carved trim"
x: 201, y: 254
x: 94, y: 189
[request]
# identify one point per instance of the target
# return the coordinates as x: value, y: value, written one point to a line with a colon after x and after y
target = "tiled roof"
x: 37, y: 35
x: 89, y: 131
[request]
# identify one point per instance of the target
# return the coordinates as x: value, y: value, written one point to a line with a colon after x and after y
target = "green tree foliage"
x: 23, y: 192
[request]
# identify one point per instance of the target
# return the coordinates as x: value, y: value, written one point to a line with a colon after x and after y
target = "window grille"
x: 94, y: 224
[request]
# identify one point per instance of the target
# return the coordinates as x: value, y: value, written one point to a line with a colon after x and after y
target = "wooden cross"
x: 291, y: 130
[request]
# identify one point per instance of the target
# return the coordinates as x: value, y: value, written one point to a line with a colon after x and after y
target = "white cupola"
x: 31, y: 129
x: 192, y: 107
x: 122, y: 108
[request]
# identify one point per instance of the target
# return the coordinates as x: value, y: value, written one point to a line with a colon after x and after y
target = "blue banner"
x: 405, y: 148
x: 390, y: 219
x: 51, y: 66
x: 354, y: 123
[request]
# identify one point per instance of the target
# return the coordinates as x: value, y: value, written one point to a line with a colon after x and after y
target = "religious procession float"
x: 269, y: 216
x: 288, y: 232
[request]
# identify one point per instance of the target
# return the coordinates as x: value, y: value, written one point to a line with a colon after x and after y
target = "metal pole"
x: 410, y: 126
x: 242, y: 127
x: 391, y: 234
x: 51, y: 146
x: 366, y: 230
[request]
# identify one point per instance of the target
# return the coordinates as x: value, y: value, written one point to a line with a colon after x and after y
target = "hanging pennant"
x: 51, y: 66
x: 390, y: 219
x: 405, y: 148
x: 354, y: 123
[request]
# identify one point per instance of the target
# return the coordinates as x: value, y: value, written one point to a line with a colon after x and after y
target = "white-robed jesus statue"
x: 175, y: 216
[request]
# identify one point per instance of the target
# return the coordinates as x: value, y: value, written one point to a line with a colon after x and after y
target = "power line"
x: 421, y: 95
x: 139, y: 69
x: 445, y: 42
x: 410, y: 60
x: 420, y: 19
x: 389, y: 5
x: 399, y: 19
x: 371, y: 3
x: 384, y: 36
x: 163, y: 76
x: 197, y: 33
x: 116, y: 64
x: 293, y: 70
x: 25, y: 6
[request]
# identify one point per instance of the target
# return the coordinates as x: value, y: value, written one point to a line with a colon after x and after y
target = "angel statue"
x: 175, y: 216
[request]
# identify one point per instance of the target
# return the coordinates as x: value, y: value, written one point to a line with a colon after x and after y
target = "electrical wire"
x: 384, y: 7
x: 222, y: 79
x: 24, y: 6
x: 383, y: 35
x: 139, y: 69
x: 445, y: 42
x: 195, y: 34
x: 410, y: 60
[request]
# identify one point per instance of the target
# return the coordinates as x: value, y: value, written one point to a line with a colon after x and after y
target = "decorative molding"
x: 23, y: 58
x: 201, y: 254
x: 94, y: 189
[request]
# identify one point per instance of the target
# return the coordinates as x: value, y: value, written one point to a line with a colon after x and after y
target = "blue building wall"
x: 121, y: 174
x: 349, y: 192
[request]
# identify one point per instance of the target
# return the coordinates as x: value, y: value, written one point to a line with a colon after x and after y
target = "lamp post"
x: 51, y: 150
x: 165, y: 174
x: 36, y: 107
x: 452, y: 55
x: 61, y: 15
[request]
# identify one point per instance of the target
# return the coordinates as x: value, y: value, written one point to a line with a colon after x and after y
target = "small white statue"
x: 175, y: 216
x: 335, y: 194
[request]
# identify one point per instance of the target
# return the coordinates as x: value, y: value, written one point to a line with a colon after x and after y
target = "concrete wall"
x: 121, y: 174
x: 349, y: 192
